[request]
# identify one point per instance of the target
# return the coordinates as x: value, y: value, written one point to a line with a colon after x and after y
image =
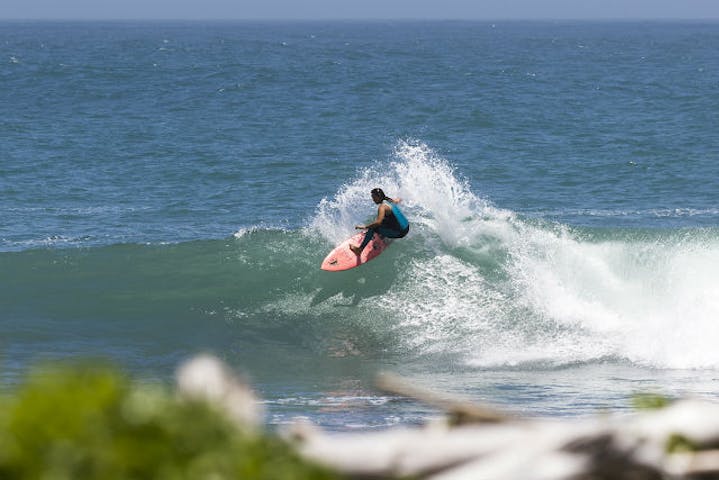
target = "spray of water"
x: 497, y: 290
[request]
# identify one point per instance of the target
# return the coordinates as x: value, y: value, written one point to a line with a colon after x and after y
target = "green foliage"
x: 649, y: 401
x: 680, y: 444
x: 91, y: 422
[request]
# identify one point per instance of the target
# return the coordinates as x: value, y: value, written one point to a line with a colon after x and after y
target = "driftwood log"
x: 478, y: 442
x: 679, y: 441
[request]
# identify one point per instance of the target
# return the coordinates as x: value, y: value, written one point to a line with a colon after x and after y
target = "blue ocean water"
x: 171, y: 188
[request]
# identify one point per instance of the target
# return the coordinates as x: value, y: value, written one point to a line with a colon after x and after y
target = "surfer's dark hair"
x: 379, y: 193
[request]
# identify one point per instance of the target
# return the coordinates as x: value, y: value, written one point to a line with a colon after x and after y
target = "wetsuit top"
x: 390, y: 221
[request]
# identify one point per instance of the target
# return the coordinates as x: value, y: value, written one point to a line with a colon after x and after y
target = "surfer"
x: 390, y: 221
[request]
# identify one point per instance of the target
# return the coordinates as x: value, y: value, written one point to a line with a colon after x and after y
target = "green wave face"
x: 472, y: 286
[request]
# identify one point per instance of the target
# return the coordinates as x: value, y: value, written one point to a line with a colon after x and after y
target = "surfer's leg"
x: 367, y: 237
x: 389, y: 232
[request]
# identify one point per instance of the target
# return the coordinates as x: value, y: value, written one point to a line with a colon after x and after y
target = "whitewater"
x: 502, y: 290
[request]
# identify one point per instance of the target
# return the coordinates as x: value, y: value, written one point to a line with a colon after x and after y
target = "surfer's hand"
x: 360, y: 227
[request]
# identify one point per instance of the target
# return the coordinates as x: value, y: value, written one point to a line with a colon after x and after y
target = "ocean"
x: 171, y: 188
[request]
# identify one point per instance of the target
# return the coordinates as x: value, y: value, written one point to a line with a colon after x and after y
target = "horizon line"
x: 362, y: 19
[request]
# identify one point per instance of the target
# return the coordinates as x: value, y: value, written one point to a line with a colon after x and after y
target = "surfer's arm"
x: 376, y: 223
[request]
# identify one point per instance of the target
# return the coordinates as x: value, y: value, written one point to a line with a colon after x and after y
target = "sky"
x: 359, y: 9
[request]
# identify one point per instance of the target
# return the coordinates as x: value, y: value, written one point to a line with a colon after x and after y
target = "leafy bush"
x: 649, y: 401
x: 92, y: 422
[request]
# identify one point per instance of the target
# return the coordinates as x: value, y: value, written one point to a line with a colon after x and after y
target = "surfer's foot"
x: 355, y: 249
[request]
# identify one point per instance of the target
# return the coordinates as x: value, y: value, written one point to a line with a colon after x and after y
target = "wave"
x: 472, y: 286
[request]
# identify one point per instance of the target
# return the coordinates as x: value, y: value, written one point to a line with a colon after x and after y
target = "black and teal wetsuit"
x: 394, y: 225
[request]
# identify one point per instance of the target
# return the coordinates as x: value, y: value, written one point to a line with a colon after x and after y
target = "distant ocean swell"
x: 473, y: 285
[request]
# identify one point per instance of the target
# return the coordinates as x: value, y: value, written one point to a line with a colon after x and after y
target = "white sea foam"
x: 244, y: 231
x: 48, y: 241
x: 501, y: 292
x: 639, y: 213
x: 428, y: 187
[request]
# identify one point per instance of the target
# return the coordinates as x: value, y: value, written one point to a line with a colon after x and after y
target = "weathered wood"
x: 205, y: 377
x: 459, y: 411
x: 680, y: 441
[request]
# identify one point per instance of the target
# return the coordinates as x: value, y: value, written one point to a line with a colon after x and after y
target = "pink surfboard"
x: 342, y: 258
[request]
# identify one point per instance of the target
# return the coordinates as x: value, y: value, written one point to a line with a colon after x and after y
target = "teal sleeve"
x: 401, y: 219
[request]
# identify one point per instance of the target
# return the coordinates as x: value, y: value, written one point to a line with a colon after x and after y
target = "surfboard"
x: 342, y: 258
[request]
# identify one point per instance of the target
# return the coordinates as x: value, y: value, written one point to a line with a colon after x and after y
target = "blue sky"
x: 359, y: 9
